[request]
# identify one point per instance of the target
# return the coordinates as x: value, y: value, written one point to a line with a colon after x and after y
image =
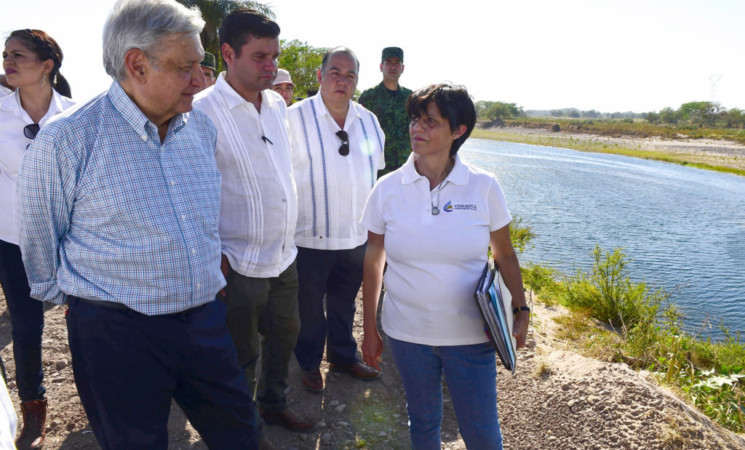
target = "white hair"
x: 142, y: 24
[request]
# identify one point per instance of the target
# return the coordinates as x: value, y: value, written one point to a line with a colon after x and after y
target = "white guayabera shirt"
x: 258, y: 202
x: 333, y: 188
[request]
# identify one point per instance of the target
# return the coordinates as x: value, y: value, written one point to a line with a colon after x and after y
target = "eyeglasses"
x: 344, y: 149
x: 30, y: 131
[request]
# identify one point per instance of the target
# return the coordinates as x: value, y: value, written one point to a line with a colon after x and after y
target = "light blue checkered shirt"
x: 107, y: 212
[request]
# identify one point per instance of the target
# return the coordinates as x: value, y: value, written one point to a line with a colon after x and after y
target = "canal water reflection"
x: 682, y: 229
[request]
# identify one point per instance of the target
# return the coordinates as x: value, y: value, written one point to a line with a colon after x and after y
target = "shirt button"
x: 183, y: 216
x: 199, y: 285
x: 173, y: 182
x: 193, y: 251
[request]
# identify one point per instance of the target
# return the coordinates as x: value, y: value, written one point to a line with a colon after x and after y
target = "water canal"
x: 682, y: 229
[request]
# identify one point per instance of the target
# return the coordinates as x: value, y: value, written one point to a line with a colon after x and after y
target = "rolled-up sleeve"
x: 44, y: 199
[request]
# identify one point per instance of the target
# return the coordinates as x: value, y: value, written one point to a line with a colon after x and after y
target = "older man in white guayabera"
x: 337, y: 151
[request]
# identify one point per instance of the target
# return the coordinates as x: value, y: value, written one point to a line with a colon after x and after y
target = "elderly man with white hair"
x: 118, y: 213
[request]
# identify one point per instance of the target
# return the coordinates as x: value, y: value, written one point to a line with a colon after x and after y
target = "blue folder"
x: 495, y: 303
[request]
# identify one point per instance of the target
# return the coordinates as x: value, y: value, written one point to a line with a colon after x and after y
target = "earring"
x: 43, y: 79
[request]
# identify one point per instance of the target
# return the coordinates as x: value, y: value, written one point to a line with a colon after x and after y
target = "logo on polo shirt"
x: 450, y: 207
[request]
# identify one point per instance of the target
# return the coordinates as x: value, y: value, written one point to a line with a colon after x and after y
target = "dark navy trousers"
x: 27, y: 321
x: 335, y: 275
x: 128, y: 366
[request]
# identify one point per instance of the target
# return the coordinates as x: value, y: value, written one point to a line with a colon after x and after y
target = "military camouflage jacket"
x: 391, y: 112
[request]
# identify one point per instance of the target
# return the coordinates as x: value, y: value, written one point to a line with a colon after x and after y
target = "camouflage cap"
x: 392, y: 52
x: 209, y: 61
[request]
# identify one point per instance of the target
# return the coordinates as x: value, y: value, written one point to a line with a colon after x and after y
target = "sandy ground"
x: 707, y: 151
x: 556, y: 400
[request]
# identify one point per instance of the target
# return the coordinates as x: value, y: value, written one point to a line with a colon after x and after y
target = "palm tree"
x: 213, y: 11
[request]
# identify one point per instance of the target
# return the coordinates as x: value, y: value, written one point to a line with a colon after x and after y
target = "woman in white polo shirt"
x: 31, y: 60
x: 432, y: 221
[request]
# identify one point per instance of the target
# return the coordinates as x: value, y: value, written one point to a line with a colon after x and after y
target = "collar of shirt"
x: 136, y: 118
x: 12, y: 103
x: 458, y: 175
x: 352, y: 112
x: 233, y: 99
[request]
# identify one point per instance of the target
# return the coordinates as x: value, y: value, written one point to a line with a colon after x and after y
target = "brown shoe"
x: 288, y: 419
x: 34, y: 414
x: 312, y: 380
x: 359, y: 370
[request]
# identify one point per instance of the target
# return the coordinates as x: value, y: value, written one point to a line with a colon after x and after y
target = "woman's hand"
x: 509, y: 267
x: 520, y: 328
x: 372, y: 348
x: 372, y: 280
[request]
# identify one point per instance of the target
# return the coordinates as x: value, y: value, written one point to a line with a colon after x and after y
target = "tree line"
x: 697, y: 114
x: 700, y: 114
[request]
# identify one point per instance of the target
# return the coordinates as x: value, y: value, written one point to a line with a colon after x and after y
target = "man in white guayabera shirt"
x: 258, y: 209
x: 337, y: 152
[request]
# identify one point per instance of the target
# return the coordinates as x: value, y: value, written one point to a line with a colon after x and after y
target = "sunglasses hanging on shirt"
x: 344, y: 149
x: 30, y: 131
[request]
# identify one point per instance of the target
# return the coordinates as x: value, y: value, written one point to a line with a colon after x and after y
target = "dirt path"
x: 556, y: 400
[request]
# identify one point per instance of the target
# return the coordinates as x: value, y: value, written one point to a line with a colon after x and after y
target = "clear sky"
x: 608, y: 55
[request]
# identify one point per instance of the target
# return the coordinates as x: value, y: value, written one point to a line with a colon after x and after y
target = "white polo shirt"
x: 258, y: 199
x: 435, y: 261
x: 332, y: 189
x: 13, y: 144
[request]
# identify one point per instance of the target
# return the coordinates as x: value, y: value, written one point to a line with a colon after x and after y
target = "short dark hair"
x: 342, y: 50
x: 242, y: 23
x: 454, y: 104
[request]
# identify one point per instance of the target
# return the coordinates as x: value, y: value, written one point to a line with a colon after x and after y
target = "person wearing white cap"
x: 284, y: 86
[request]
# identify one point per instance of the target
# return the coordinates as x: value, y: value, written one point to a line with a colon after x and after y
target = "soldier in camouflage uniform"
x: 387, y: 100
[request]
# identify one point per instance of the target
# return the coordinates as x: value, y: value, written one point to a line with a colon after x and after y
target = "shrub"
x: 542, y: 281
x: 710, y: 374
x: 610, y: 295
x: 520, y: 235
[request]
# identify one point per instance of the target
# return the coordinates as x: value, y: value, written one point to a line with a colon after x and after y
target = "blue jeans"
x: 471, y: 375
x: 27, y: 323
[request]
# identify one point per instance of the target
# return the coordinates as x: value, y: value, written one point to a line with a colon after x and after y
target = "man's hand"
x: 224, y: 268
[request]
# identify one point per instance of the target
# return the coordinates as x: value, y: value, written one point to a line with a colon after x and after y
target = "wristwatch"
x: 522, y: 308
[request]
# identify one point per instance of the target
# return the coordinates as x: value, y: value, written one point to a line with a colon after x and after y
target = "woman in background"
x: 432, y: 221
x: 31, y: 61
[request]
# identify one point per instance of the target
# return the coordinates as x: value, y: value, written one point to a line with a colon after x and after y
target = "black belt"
x: 103, y: 304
